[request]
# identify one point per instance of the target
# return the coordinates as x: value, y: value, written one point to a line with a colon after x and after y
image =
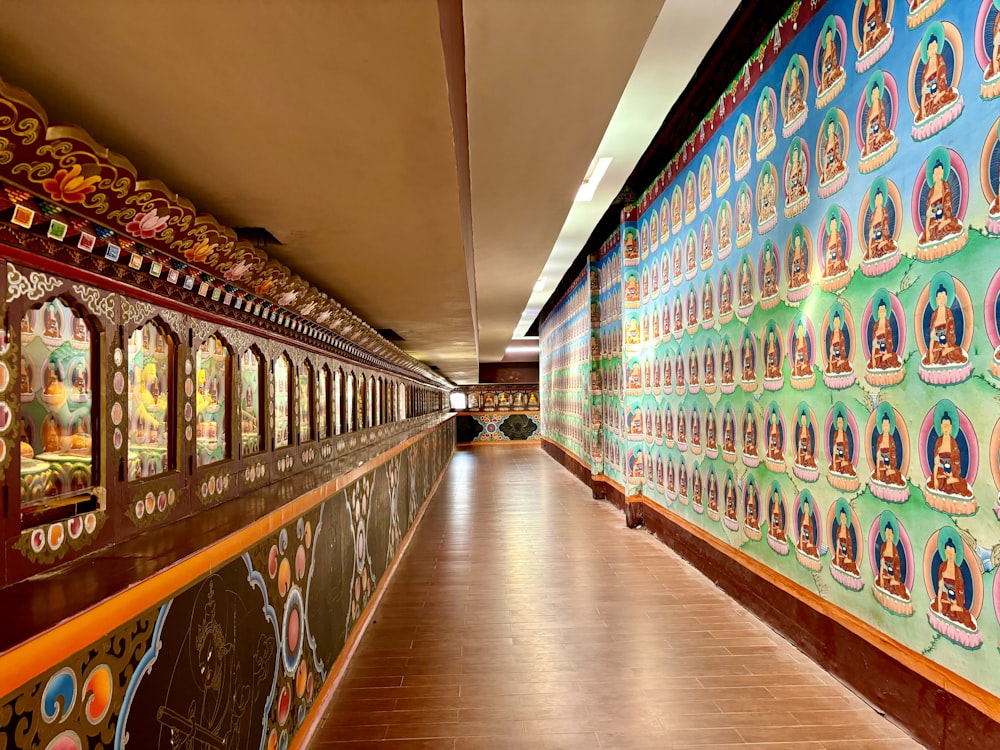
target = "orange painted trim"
x: 27, y: 660
x: 319, y: 707
x: 959, y: 686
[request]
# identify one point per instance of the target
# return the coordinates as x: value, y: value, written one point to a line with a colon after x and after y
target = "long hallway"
x: 525, y: 615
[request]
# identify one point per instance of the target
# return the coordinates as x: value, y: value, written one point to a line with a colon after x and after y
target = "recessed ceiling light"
x: 594, y: 175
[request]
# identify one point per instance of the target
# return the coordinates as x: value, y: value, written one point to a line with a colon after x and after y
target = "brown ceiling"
x: 329, y: 124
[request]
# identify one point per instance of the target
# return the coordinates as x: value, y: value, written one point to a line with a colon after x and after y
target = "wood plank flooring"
x: 525, y: 615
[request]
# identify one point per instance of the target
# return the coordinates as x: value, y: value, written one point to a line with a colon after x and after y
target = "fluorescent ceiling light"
x: 597, y: 169
x: 540, y: 284
x: 522, y: 349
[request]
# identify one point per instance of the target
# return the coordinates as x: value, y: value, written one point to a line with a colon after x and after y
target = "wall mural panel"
x: 808, y: 340
x: 238, y: 658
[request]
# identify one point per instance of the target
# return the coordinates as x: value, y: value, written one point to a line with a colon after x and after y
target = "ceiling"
x: 416, y: 159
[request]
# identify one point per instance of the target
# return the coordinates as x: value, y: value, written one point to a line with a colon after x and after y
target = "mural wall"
x: 237, y: 658
x: 809, y: 299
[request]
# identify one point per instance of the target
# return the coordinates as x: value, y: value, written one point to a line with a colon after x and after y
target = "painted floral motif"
x: 147, y: 225
x: 70, y: 185
x: 201, y: 252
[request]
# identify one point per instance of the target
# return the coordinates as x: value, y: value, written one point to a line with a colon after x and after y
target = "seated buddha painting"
x: 725, y: 296
x: 892, y: 564
x: 802, y: 352
x: 937, y: 65
x: 940, y: 198
x: 748, y: 362
x: 729, y: 437
x: 774, y: 435
x: 988, y: 48
x: 805, y: 443
x: 727, y: 382
x: 767, y: 198
x: 708, y: 303
x: 730, y: 501
x: 751, y: 509
x: 949, y: 457
x: 888, y: 454
x: 749, y: 431
x: 774, y: 357
x: 723, y: 166
x: 777, y: 519
x: 834, y: 246
x: 828, y: 61
x: 879, y: 224
x: 798, y: 263
x: 943, y: 326
x: 766, y: 109
x: 842, y: 448
x: 745, y: 299
x: 705, y: 183
x: 744, y: 213
x: 876, y: 122
x: 953, y: 576
x: 884, y: 339
x: 711, y: 433
x: 690, y: 198
x: 707, y: 252
x: 846, y: 547
x: 832, y: 152
x: 697, y: 489
x: 838, y: 347
x: 796, y: 178
x: 712, y: 494
x: 872, y: 31
x: 794, y: 95
x: 769, y: 273
x: 742, y: 143
x: 808, y: 530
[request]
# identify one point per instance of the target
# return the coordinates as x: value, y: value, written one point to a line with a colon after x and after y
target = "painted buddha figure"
x: 681, y: 427
x: 949, y: 600
x: 693, y: 368
x: 79, y: 379
x: 677, y: 261
x: 742, y: 144
x: 727, y: 364
x: 795, y: 177
x: 725, y: 227
x: 833, y: 164
x: 830, y: 70
x: 883, y: 347
x: 837, y: 350
x: 772, y: 356
x: 947, y: 471
x: 706, y: 242
x: 774, y: 451
x: 742, y: 214
x: 886, y: 457
x: 51, y: 322
x: 807, y: 533
x: 668, y: 427
x: 679, y: 373
x: 695, y: 431
x: 53, y: 380
x: 689, y: 206
x: 696, y: 487
x: 749, y: 370
x: 713, y: 495
x: 841, y: 449
x: 880, y: 235
x: 728, y: 433
x: 936, y: 91
x: 729, y: 496
x: 709, y: 368
x: 795, y: 99
x: 942, y: 347
x: 844, y: 553
x: 692, y: 309
x: 939, y: 215
x: 877, y: 132
x: 80, y: 333
x: 776, y: 528
x: 766, y: 131
x: 631, y: 288
x: 725, y: 299
x: 722, y: 163
x: 801, y: 366
x: 705, y: 182
x: 805, y: 450
x: 26, y: 386
x: 752, y: 520
x: 710, y: 440
x: 750, y: 437
x: 631, y: 246
x: 768, y: 196
x: 874, y: 26
x: 51, y: 436
x: 746, y: 284
x: 707, y: 311
x: 890, y: 566
x: 799, y: 263
x: 770, y: 277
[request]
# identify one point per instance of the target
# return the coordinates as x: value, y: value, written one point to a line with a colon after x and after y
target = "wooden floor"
x: 525, y: 615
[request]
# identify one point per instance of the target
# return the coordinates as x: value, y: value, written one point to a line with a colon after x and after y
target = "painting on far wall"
x: 825, y: 307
